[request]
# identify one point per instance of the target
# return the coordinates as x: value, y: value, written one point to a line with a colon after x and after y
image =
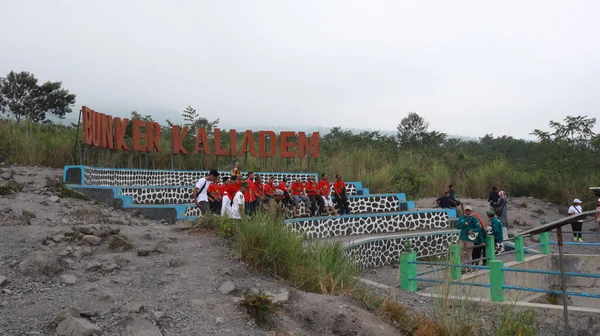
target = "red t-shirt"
x: 338, y: 186
x: 223, y: 188
x: 269, y: 189
x: 249, y: 194
x: 325, y: 188
x: 259, y: 188
x: 213, y: 189
x: 311, y: 188
x: 232, y: 188
x: 297, y: 188
x: 282, y: 186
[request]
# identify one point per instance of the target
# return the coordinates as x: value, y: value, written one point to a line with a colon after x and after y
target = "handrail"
x: 558, y: 223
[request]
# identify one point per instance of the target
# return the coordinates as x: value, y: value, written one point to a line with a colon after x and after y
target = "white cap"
x: 575, y: 201
x: 468, y: 207
x: 598, y: 199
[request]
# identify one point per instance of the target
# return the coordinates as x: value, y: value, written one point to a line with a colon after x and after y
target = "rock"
x: 226, y: 271
x: 91, y: 240
x: 93, y: 267
x: 107, y: 296
x: 106, y: 231
x: 28, y: 214
x: 68, y: 279
x: 282, y: 297
x: 3, y: 281
x: 161, y: 247
x: 121, y: 261
x: 158, y: 315
x: 133, y: 307
x: 143, y: 253
x: 120, y: 243
x: 147, y: 236
x: 74, y: 326
x: 226, y: 287
x: 6, y: 291
x: 109, y: 267
x: 535, y: 238
x: 137, y: 326
x: 86, y: 230
x: 8, y: 175
x: 14, y: 186
x: 54, y: 199
x: 219, y: 321
x: 44, y: 203
x: 41, y: 262
x: 176, y: 262
x: 84, y: 251
x: 63, y: 253
x: 67, y: 312
x: 58, y: 238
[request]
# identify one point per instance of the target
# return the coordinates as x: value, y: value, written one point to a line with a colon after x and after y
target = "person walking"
x: 576, y: 225
x: 495, y: 229
x: 501, y: 209
x: 200, y: 192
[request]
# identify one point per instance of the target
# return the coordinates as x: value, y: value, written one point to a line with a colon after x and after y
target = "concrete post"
x: 519, y: 249
x: 408, y: 270
x: 490, y: 248
x: 454, y: 261
x: 545, y: 242
x: 496, y: 280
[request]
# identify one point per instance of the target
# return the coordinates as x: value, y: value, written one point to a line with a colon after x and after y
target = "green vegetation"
x: 260, y: 307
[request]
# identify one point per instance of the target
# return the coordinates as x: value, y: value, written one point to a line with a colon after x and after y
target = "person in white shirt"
x: 237, y: 207
x: 201, y: 189
x: 577, y: 225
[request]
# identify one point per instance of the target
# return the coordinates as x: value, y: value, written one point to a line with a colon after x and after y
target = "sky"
x: 469, y: 68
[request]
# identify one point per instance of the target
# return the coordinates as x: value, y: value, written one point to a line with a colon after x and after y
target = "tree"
x: 412, y: 132
x: 194, y: 121
x: 575, y: 133
x: 23, y: 98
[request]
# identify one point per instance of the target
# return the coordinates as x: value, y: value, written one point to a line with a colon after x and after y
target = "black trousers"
x: 215, y: 206
x: 343, y: 204
x: 316, y: 204
x: 479, y: 252
x: 576, y: 228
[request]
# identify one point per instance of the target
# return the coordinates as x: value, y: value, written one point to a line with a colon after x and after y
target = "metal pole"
x: 562, y: 278
x: 76, y: 138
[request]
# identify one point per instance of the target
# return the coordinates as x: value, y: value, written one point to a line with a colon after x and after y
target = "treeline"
x: 560, y: 165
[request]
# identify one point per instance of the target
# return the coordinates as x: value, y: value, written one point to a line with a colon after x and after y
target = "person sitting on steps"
x: 341, y: 196
x: 325, y: 191
x: 453, y: 201
x: 298, y: 195
x: 444, y: 201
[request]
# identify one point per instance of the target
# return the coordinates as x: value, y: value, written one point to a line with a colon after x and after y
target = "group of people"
x: 497, y: 200
x: 236, y: 196
x: 473, y: 232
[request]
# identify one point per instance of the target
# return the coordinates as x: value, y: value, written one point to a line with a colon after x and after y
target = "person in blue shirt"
x: 495, y: 229
x: 453, y: 201
x: 444, y: 201
x: 467, y: 224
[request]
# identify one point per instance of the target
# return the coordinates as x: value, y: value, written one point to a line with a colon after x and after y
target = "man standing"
x: 341, y: 197
x: 215, y: 196
x: 493, y: 198
x: 201, y: 191
x: 577, y: 225
x: 467, y: 224
x: 249, y: 195
x: 237, y: 207
x: 325, y: 190
x: 495, y: 229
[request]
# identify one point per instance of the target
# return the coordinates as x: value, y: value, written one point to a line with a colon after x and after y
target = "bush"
x: 260, y: 307
x: 516, y: 323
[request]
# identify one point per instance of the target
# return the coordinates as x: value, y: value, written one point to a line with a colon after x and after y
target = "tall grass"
x: 269, y: 246
x: 416, y: 173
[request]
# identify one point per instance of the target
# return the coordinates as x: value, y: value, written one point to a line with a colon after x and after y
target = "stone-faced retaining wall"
x: 322, y: 227
x: 380, y: 251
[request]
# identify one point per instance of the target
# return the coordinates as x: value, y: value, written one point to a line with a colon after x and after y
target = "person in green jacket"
x: 466, y: 224
x: 495, y: 229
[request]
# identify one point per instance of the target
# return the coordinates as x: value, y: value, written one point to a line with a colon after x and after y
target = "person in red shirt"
x: 312, y: 190
x: 325, y: 191
x: 259, y: 192
x: 285, y: 199
x: 250, y: 195
x: 299, y: 195
x: 269, y: 189
x: 214, y: 197
x: 341, y: 197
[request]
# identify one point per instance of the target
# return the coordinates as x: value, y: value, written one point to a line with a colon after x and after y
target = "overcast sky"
x: 468, y: 67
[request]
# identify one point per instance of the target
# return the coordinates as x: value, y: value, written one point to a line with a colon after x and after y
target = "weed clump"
x: 261, y: 307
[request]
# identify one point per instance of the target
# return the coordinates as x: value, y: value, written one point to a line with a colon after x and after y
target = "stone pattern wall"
x: 138, y: 177
x: 387, y: 251
x: 358, y: 205
x: 358, y: 225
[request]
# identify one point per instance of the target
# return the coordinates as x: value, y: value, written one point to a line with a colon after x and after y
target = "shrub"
x: 260, y: 307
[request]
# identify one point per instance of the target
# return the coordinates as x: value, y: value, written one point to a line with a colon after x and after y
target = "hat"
x: 598, y: 199
x: 468, y: 207
x: 575, y: 201
x: 278, y: 192
x: 490, y: 213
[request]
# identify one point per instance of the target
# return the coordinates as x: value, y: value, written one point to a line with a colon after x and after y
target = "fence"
x: 409, y: 278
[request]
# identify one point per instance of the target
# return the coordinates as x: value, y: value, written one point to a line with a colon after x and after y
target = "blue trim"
x: 451, y: 213
x: 412, y: 205
x: 399, y: 196
x: 65, y: 168
x: 365, y: 191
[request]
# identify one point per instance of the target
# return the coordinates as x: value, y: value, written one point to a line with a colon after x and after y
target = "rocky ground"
x: 75, y: 267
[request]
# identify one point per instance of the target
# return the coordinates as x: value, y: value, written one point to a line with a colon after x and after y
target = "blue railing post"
x: 496, y: 280
x: 490, y: 248
x: 455, y: 261
x: 408, y: 271
x: 519, y: 249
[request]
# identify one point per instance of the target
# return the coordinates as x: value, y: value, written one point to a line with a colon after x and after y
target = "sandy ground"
x: 182, y: 290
